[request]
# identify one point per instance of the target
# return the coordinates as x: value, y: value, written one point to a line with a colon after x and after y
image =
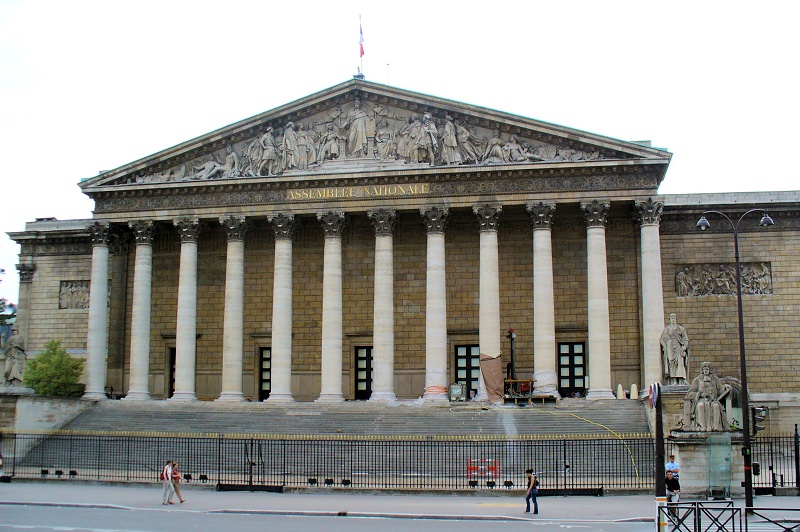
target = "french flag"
x: 361, y: 39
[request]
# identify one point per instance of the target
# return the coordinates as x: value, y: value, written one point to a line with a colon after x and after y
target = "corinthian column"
x: 186, y: 336
x: 332, y: 224
x: 489, y: 299
x: 24, y: 304
x: 97, y: 339
x: 435, y: 219
x: 595, y: 214
x: 233, y: 321
x: 544, y: 320
x: 139, y: 388
x: 281, y: 392
x: 648, y: 215
x: 383, y: 318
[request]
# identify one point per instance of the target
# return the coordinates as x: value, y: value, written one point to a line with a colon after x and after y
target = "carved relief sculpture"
x: 703, y: 410
x: 450, y: 152
x: 328, y: 144
x: 269, y: 154
x: 73, y: 295
x: 385, y: 147
x: 357, y: 131
x: 720, y: 279
x: 675, y: 353
x: 427, y: 143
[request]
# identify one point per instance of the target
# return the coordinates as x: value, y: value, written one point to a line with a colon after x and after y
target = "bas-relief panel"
x: 720, y: 279
x: 73, y: 295
x: 369, y: 131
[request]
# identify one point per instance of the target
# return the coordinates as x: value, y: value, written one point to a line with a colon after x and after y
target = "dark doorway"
x: 572, y: 369
x: 171, y: 376
x: 468, y: 368
x: 363, y: 364
x: 265, y: 372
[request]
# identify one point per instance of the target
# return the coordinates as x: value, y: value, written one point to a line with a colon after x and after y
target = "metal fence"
x: 563, y: 465
x: 778, y: 462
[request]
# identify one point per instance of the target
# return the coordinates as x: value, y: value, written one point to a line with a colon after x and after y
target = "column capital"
x: 333, y: 223
x: 142, y: 232
x: 235, y: 226
x: 383, y: 220
x: 648, y: 212
x: 100, y: 232
x: 188, y: 228
x: 283, y: 225
x: 595, y: 214
x: 26, y: 272
x: 541, y: 214
x: 488, y: 216
x: 435, y: 218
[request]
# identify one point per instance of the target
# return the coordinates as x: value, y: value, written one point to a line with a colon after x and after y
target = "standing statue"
x: 289, y: 145
x: 702, y: 406
x: 14, y: 350
x: 357, y: 131
x: 675, y: 352
x: 427, y: 143
x: 269, y: 154
x: 450, y: 152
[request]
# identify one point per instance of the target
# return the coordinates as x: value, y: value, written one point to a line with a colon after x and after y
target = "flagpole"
x: 361, y: 44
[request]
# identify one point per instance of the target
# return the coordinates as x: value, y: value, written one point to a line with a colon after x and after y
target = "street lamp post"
x: 766, y: 221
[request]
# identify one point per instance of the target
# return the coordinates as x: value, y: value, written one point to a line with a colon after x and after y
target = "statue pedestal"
x: 16, y: 390
x: 711, y: 463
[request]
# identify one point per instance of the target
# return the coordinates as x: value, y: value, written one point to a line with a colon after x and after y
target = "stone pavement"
x: 498, y: 505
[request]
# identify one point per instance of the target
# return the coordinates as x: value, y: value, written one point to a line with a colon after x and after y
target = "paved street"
x: 93, y: 506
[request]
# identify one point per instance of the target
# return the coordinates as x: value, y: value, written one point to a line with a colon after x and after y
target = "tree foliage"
x: 54, y: 372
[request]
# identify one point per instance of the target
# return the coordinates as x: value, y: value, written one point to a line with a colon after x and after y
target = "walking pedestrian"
x: 532, y: 492
x: 166, y: 480
x: 176, y: 479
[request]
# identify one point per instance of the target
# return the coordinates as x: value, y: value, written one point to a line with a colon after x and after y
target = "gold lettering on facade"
x: 310, y: 194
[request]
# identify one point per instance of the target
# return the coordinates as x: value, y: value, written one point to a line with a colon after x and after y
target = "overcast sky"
x: 92, y: 85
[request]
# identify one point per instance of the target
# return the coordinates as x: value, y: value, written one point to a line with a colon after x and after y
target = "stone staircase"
x: 569, y: 417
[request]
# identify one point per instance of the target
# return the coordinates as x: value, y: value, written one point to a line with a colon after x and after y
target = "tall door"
x: 363, y: 365
x: 171, y: 366
x: 265, y: 373
x: 468, y: 367
x: 572, y: 369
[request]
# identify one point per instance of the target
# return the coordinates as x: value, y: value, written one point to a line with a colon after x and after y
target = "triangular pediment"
x: 361, y: 127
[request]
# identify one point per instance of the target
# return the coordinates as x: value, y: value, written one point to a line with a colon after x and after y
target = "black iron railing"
x: 563, y: 465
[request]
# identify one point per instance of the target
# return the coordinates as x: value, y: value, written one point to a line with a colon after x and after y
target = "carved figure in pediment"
x: 306, y: 151
x: 427, y: 143
x: 494, y: 150
x: 213, y: 168
x: 450, y: 151
x: 252, y: 158
x: 406, y: 137
x: 289, y: 147
x: 515, y: 152
x: 385, y: 146
x: 328, y: 144
x: 468, y: 145
x: 357, y: 131
x: 269, y: 154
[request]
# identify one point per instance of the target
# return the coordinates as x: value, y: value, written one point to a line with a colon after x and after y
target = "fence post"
x: 796, y: 459
x: 219, y: 459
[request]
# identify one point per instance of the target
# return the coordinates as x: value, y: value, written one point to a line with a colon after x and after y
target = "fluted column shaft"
x: 544, y: 321
x: 383, y: 310
x: 281, y: 388
x: 186, y: 335
x: 489, y: 293
x: 233, y: 321
x: 139, y: 388
x: 648, y: 216
x: 435, y: 305
x: 599, y: 323
x: 331, y: 388
x: 97, y: 338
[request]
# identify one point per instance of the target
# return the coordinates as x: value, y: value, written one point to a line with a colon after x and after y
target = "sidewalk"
x: 354, y: 503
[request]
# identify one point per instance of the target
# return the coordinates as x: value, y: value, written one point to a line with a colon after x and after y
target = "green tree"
x: 54, y: 372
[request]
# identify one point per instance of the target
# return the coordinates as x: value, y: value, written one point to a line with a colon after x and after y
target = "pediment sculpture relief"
x: 363, y: 133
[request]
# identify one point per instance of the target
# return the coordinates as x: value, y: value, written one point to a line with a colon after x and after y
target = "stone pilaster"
x: 489, y: 294
x: 435, y: 219
x: 544, y: 321
x: 333, y: 224
x: 648, y: 215
x: 233, y: 321
x: 139, y: 388
x: 281, y: 392
x: 25, y: 271
x: 383, y: 319
x: 595, y: 215
x: 97, y: 338
x: 186, y: 335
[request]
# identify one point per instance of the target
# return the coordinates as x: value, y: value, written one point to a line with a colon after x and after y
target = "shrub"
x: 54, y: 372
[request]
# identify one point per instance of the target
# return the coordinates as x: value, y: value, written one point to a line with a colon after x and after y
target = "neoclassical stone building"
x: 367, y: 242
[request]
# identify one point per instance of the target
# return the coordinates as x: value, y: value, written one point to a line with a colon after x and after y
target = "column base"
x: 95, y: 396
x: 330, y: 398
x: 436, y: 397
x: 600, y: 393
x: 382, y: 397
x: 280, y: 398
x: 231, y: 397
x: 133, y: 395
x: 183, y: 397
